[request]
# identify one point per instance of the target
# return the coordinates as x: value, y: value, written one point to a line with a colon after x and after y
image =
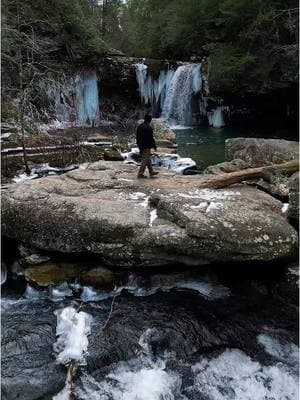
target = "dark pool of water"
x: 172, y: 335
x: 206, y: 146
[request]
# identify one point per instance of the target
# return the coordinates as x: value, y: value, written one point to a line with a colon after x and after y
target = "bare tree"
x: 31, y: 67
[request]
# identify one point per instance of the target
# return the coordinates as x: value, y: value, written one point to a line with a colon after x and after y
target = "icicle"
x: 215, y: 118
x: 76, y: 101
x: 152, y: 90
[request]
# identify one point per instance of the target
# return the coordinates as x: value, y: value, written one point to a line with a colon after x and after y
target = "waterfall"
x: 87, y: 104
x: 185, y: 83
x: 76, y: 101
x: 215, y: 118
x: 153, y: 90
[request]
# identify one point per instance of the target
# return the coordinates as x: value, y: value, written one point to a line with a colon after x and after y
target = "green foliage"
x: 230, y: 69
x: 247, y: 39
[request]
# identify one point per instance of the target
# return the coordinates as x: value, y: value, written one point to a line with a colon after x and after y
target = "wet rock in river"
x: 52, y: 273
x: 99, y: 277
x: 260, y: 152
x: 29, y: 370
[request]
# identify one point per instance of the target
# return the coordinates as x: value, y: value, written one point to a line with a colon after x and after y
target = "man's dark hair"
x: 148, y: 118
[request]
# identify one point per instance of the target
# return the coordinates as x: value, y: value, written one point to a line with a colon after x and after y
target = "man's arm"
x: 153, y: 140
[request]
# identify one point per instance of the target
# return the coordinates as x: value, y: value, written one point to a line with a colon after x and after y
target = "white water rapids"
x: 232, y: 375
x: 173, y: 91
x: 73, y: 328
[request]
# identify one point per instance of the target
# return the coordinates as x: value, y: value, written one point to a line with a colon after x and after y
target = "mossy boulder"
x: 52, y: 273
x: 111, y: 154
x: 99, y: 277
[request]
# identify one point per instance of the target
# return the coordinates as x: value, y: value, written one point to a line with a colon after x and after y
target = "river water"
x: 206, y: 145
x: 223, y: 333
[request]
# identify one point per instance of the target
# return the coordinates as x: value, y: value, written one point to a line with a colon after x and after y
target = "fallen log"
x: 230, y: 178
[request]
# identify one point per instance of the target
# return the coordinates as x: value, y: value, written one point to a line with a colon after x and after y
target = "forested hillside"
x: 252, y: 44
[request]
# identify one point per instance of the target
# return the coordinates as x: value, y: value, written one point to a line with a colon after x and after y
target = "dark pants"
x: 146, y: 161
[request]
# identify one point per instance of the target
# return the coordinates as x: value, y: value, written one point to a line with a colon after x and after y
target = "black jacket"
x: 144, y: 137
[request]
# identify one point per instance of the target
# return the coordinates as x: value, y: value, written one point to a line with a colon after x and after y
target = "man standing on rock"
x: 145, y: 142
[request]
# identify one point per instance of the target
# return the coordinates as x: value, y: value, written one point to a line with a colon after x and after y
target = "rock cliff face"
x: 106, y: 211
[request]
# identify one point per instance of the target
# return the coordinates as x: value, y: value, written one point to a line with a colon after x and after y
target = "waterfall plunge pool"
x: 206, y: 145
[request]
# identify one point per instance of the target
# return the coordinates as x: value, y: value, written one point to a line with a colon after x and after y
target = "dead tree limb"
x: 230, y: 178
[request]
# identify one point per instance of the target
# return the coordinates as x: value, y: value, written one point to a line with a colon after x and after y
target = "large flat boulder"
x: 105, y: 210
x: 260, y: 152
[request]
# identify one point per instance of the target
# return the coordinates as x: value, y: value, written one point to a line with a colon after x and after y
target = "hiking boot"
x: 153, y: 174
x: 142, y: 177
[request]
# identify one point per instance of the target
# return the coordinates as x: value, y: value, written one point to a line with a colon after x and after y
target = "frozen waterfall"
x: 178, y: 107
x: 215, y: 118
x: 153, y: 90
x: 76, y: 101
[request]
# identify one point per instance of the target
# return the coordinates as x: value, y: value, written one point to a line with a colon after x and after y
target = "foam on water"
x: 24, y: 177
x: 72, y: 330
x: 140, y: 378
x: 234, y: 375
x: 153, y: 216
x: 64, y: 394
x: 279, y: 348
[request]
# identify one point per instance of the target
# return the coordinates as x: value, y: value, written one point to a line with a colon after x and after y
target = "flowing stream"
x: 159, y: 335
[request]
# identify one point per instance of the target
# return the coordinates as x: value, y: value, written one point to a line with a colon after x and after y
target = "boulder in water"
x: 99, y: 277
x: 52, y: 273
x: 260, y: 152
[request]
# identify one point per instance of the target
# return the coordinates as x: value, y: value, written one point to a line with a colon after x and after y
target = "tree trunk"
x: 21, y: 119
x: 224, y: 180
